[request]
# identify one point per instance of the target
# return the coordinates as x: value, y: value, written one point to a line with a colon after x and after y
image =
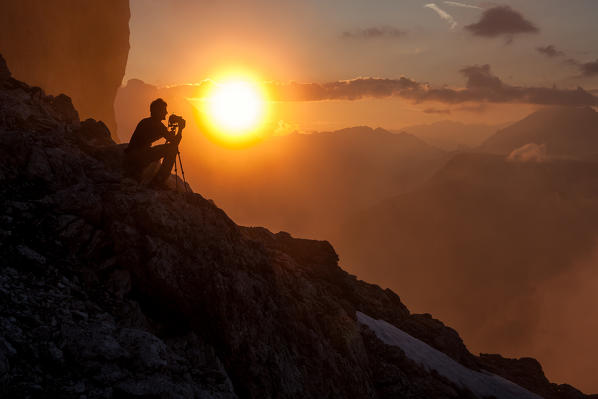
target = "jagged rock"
x: 4, y: 71
x: 437, y: 335
x: 95, y: 133
x: 143, y: 293
x: 528, y: 373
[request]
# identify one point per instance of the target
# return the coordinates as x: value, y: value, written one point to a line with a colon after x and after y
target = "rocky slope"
x: 68, y: 46
x: 111, y: 290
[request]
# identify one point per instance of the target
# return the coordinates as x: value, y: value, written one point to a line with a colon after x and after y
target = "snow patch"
x: 482, y: 384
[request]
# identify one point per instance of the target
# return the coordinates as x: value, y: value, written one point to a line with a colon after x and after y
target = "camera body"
x: 176, y: 121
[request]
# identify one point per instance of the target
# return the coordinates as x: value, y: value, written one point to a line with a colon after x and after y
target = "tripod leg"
x: 176, y: 179
x: 182, y: 172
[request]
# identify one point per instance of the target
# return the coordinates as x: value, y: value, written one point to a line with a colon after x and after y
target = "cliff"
x: 111, y: 290
x: 68, y: 46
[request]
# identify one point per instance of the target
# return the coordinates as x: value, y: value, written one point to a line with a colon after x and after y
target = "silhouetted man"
x: 140, y: 153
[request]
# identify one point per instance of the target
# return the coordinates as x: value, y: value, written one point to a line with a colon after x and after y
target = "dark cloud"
x: 353, y: 89
x: 374, y: 33
x: 444, y: 111
x: 502, y: 20
x: 475, y: 108
x: 550, y: 51
x: 481, y: 86
x: 589, y: 68
x: 480, y: 76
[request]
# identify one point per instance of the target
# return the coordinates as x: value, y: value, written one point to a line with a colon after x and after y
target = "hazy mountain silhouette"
x: 120, y: 291
x: 486, y: 237
x: 567, y: 132
x: 451, y: 136
x: 304, y: 183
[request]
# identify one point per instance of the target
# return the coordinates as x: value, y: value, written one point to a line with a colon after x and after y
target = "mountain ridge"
x: 566, y: 132
x: 453, y: 136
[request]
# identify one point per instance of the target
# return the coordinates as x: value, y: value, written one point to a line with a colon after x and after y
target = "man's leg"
x: 134, y: 164
x: 168, y: 152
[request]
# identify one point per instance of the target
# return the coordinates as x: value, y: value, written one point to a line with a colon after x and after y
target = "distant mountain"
x: 490, y: 240
x: 451, y: 136
x: 306, y: 183
x: 566, y: 132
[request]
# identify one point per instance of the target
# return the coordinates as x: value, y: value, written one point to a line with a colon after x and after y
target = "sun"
x: 234, y: 110
x: 235, y: 106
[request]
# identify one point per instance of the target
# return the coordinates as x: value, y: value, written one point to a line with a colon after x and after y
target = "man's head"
x: 158, y: 109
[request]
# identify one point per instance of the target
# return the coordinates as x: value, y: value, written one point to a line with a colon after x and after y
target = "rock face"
x: 68, y: 46
x: 111, y: 290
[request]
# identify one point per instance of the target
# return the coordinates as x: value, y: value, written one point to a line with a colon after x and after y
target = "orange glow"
x: 235, y: 110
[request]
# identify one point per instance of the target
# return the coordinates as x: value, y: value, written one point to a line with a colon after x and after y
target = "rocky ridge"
x: 111, y: 290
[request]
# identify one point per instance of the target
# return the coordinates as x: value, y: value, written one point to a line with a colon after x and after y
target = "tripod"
x: 178, y: 153
x: 176, y: 173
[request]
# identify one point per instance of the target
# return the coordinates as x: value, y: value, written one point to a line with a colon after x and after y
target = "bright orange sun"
x: 234, y: 111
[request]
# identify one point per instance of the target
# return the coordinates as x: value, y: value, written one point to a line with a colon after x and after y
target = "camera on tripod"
x: 175, y: 121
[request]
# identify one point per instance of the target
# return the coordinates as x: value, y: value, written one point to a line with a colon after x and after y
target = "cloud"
x: 531, y: 152
x: 475, y: 108
x: 374, y: 33
x: 353, y: 89
x: 283, y: 128
x: 589, y: 68
x: 443, y: 14
x: 462, y: 5
x: 444, y: 111
x: 502, y: 20
x: 482, y: 86
x: 550, y: 51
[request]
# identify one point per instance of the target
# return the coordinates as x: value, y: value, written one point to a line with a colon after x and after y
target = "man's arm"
x: 179, y: 134
x: 176, y: 138
x: 172, y: 137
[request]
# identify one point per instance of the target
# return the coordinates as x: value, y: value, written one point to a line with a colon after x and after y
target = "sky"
x: 534, y: 43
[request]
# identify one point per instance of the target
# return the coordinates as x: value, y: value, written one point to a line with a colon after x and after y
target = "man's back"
x: 147, y: 131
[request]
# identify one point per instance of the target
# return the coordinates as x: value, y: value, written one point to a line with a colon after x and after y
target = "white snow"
x: 482, y: 384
